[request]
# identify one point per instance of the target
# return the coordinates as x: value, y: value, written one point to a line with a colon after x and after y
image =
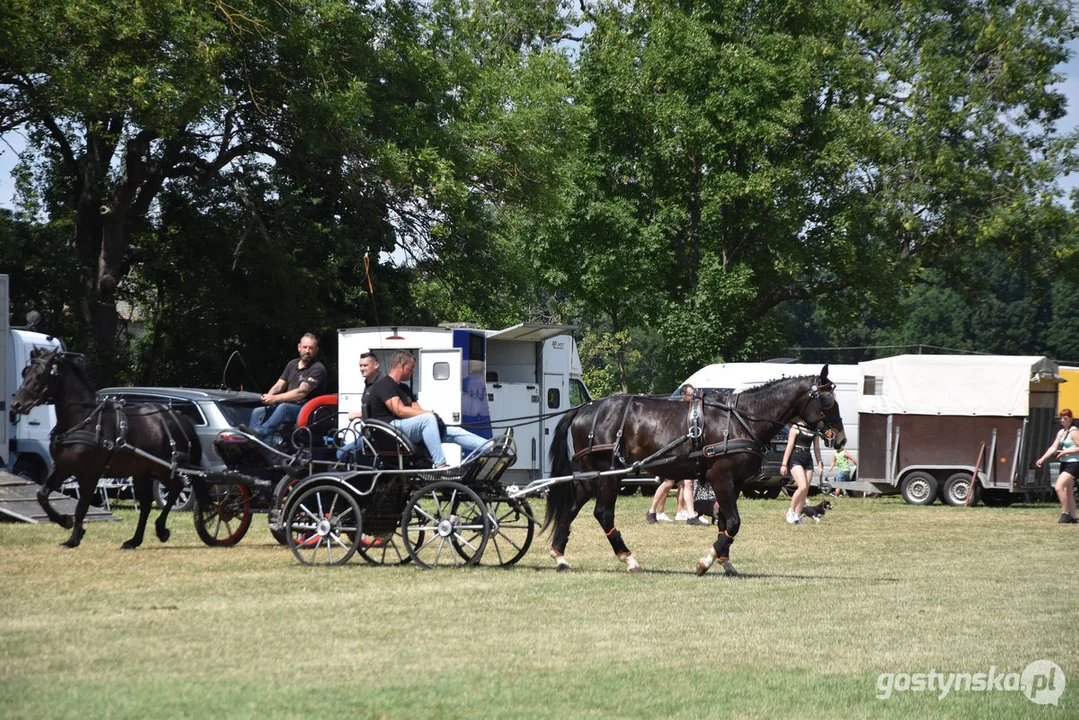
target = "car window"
x: 236, y: 413
x: 186, y: 408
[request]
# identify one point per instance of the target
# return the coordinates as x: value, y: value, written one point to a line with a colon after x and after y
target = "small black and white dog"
x: 817, y: 511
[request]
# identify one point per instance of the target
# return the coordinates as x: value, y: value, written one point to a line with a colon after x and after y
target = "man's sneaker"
x: 243, y: 428
x: 650, y: 517
x: 697, y: 520
x: 681, y: 515
x: 663, y: 516
x: 792, y: 518
x: 1066, y: 518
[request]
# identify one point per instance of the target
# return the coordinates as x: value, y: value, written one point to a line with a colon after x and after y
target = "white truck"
x: 736, y: 377
x: 525, y: 376
x: 24, y: 439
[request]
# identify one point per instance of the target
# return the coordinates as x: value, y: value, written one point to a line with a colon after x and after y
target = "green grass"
x: 182, y: 630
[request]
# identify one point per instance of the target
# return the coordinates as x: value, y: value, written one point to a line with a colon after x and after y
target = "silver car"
x: 211, y: 411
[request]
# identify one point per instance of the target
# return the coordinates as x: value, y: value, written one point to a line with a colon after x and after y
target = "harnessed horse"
x: 93, y: 437
x: 722, y: 444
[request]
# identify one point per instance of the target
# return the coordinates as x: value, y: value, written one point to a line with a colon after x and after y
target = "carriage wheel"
x: 184, y: 500
x: 281, y: 494
x: 441, y: 519
x: 225, y: 520
x: 323, y: 525
x: 386, y: 549
x: 512, y: 527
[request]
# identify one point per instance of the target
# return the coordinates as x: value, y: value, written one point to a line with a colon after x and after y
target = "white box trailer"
x: 524, y: 376
x: 24, y: 439
x: 736, y: 377
x: 924, y: 420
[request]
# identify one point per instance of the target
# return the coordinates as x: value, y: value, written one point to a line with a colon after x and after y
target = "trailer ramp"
x: 18, y: 501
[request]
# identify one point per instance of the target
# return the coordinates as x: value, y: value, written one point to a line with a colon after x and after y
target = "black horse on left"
x: 95, y: 438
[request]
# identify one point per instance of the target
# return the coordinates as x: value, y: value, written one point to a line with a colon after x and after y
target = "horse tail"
x: 560, y: 495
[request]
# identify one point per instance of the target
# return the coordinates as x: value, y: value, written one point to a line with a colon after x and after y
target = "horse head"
x: 821, y: 411
x: 39, y: 381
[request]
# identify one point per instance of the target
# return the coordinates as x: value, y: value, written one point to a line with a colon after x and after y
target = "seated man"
x: 369, y: 369
x: 391, y: 402
x: 302, y: 379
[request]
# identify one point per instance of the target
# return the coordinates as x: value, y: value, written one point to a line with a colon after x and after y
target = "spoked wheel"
x: 323, y: 526
x: 281, y: 494
x: 441, y: 521
x: 183, y: 501
x: 512, y: 528
x: 386, y: 549
x: 225, y: 519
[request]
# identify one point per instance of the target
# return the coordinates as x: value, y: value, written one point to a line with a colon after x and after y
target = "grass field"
x: 182, y: 630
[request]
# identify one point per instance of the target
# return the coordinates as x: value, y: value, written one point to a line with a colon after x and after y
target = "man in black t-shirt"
x: 302, y: 379
x: 369, y: 369
x: 391, y: 401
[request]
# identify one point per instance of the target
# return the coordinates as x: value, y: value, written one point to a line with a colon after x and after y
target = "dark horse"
x: 720, y: 443
x: 94, y: 437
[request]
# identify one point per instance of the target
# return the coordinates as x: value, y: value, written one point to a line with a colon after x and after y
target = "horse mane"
x: 765, y: 391
x: 75, y: 363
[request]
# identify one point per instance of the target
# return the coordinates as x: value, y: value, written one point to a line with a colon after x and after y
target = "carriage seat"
x: 316, y: 420
x: 385, y: 445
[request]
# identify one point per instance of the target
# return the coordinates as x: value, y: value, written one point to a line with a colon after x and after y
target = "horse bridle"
x: 52, y: 373
x: 825, y: 401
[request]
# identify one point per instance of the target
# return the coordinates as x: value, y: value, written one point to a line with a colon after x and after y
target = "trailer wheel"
x: 956, y: 488
x: 919, y: 488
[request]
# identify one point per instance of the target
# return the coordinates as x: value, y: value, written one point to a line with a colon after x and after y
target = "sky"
x: 12, y: 143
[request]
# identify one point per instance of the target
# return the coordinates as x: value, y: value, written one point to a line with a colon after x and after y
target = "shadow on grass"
x: 712, y: 573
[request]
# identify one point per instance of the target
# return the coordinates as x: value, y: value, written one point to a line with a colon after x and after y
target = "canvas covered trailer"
x: 928, y: 423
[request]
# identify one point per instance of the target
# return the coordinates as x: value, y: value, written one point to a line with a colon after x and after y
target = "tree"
x: 761, y: 153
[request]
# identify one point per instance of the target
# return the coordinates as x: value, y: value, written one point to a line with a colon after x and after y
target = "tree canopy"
x: 682, y: 180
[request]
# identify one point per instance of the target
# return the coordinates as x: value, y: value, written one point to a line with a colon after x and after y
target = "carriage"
x: 389, y: 505
x: 383, y: 499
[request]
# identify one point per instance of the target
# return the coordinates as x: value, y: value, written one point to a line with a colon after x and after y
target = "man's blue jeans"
x: 424, y: 428
x: 282, y: 413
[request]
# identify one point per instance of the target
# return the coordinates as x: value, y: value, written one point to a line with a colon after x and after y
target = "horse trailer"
x: 931, y: 424
x: 727, y: 378
x: 524, y: 377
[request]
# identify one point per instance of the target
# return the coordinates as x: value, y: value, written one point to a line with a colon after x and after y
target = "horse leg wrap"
x: 722, y: 547
x: 615, y: 539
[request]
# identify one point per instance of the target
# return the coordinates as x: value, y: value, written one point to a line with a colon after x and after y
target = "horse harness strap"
x: 80, y: 436
x: 614, y: 447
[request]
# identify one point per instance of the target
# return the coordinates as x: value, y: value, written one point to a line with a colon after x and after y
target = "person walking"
x: 685, y: 509
x: 798, y: 463
x: 1066, y: 447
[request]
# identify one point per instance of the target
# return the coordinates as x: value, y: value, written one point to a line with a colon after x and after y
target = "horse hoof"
x: 66, y: 522
x: 128, y: 545
x: 729, y: 570
x: 69, y: 544
x: 702, y: 568
x: 164, y: 534
x: 562, y: 568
